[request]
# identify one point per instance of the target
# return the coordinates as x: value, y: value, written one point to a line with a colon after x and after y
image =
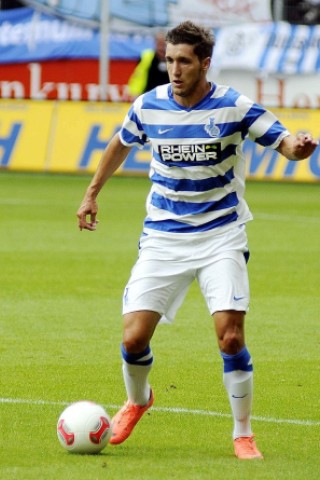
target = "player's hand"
x: 304, y: 145
x: 88, y: 208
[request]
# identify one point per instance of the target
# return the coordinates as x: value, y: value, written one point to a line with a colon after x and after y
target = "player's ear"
x: 206, y: 64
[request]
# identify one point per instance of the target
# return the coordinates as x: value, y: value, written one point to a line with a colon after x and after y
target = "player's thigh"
x: 224, y: 283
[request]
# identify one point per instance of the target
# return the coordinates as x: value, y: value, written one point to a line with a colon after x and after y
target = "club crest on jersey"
x: 212, y: 129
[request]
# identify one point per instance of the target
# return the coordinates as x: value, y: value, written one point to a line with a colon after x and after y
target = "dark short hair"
x: 201, y: 38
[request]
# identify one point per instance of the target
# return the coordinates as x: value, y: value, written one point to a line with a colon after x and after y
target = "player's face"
x: 187, y: 73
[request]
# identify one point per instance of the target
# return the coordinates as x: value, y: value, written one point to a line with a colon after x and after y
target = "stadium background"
x: 54, y: 104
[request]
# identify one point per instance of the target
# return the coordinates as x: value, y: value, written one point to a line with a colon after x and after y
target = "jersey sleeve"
x: 132, y: 133
x: 261, y: 125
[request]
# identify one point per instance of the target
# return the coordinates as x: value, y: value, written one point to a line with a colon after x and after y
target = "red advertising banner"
x: 63, y: 80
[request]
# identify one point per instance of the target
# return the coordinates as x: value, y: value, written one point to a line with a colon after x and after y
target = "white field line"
x: 186, y: 411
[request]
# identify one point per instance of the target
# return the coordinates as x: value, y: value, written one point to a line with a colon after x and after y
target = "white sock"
x: 238, y: 380
x: 136, y: 382
x: 239, y: 385
x: 136, y: 369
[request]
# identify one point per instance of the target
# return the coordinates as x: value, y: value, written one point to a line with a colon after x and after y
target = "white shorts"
x: 168, y: 264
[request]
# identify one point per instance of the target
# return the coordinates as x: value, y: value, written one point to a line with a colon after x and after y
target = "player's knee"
x: 231, y: 342
x: 138, y: 331
x: 230, y: 331
x: 134, y: 345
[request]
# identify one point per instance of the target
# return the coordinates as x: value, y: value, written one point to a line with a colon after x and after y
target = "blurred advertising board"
x: 69, y: 137
x: 46, y: 57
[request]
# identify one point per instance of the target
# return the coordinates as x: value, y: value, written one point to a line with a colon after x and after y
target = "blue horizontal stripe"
x: 129, y: 138
x: 252, y: 115
x: 239, y: 361
x: 228, y: 100
x: 135, y: 119
x: 184, y: 185
x: 178, y: 227
x: 207, y: 163
x: 228, y: 152
x: 170, y: 131
x: 134, y: 358
x: 229, y: 128
x: 271, y: 135
x: 150, y: 101
x: 193, y: 208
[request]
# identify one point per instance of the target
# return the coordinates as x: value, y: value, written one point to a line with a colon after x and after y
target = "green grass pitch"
x: 61, y: 329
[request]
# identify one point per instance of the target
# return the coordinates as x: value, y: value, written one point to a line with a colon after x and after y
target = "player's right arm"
x: 112, y: 157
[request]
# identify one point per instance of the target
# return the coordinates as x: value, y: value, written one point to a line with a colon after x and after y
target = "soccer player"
x: 195, y: 223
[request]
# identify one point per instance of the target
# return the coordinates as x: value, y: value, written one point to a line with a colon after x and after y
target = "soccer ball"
x: 84, y: 427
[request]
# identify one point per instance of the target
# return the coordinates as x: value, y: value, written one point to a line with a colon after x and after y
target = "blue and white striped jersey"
x: 197, y: 168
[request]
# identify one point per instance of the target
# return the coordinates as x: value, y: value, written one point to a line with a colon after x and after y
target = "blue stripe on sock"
x: 134, y: 358
x: 240, y: 361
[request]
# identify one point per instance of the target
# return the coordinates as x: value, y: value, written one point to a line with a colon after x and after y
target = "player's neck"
x: 195, y: 96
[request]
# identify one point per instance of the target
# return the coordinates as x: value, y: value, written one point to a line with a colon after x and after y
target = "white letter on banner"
x: 35, y: 83
x: 13, y: 89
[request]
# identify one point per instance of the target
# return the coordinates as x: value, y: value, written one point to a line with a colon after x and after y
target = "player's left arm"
x: 299, y: 147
